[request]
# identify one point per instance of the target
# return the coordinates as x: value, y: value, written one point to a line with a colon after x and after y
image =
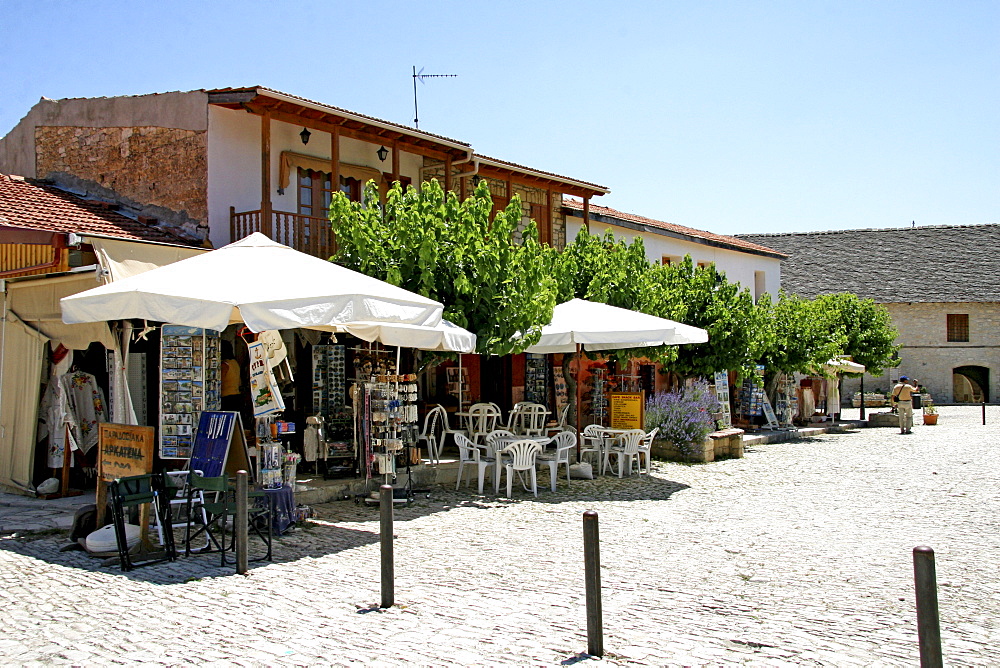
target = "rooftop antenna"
x: 421, y: 76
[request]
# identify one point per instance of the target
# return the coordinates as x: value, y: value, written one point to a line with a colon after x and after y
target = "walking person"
x: 902, y: 394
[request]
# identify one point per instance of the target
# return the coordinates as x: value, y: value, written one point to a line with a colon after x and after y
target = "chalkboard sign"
x: 213, y: 452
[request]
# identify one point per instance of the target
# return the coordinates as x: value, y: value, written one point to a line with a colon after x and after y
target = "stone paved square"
x: 798, y: 554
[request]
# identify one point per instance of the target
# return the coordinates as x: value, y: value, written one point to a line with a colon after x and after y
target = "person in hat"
x: 902, y: 394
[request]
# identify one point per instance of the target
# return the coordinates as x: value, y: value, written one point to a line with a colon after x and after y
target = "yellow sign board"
x: 124, y: 450
x: 627, y: 410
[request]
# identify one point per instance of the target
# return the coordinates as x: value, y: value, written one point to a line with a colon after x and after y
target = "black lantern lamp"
x: 382, y: 153
x: 305, y: 134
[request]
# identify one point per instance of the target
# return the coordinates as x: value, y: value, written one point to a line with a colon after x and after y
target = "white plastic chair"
x: 625, y: 448
x: 514, y: 418
x: 645, y: 446
x: 470, y: 453
x: 483, y: 419
x: 593, y: 443
x: 565, y: 442
x: 561, y: 426
x: 430, y: 434
x: 519, y: 457
x: 494, y: 438
x: 533, y: 419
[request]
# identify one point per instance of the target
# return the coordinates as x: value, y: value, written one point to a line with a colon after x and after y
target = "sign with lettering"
x: 124, y: 450
x: 219, y: 446
x: 627, y: 410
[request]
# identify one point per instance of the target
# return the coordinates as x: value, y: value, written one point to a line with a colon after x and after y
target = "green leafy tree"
x: 799, y: 335
x: 701, y: 296
x: 491, y: 283
x: 868, y: 336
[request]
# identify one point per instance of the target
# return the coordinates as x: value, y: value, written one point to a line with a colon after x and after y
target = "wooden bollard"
x: 592, y: 577
x: 928, y: 622
x: 241, y: 523
x: 388, y: 570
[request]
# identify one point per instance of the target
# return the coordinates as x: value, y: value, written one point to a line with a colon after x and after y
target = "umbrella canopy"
x: 445, y: 336
x: 844, y: 366
x: 256, y: 281
x: 598, y: 326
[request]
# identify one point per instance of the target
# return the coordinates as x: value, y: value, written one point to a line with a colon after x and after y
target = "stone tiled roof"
x: 34, y: 205
x: 941, y: 263
x: 720, y: 240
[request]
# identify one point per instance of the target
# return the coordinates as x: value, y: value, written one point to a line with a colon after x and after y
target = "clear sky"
x: 731, y: 117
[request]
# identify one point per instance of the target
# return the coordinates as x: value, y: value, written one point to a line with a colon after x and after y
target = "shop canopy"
x: 257, y: 281
x: 446, y: 336
x: 596, y: 326
x: 844, y: 366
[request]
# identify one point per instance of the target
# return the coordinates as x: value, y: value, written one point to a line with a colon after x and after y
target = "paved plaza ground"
x: 798, y: 554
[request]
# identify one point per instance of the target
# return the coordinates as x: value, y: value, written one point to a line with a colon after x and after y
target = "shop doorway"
x: 971, y: 384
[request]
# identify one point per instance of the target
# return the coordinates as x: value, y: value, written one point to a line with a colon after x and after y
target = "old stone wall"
x: 162, y: 172
x: 928, y: 356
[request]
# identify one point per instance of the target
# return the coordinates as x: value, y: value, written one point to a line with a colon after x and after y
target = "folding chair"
x: 133, y: 492
x: 220, y: 511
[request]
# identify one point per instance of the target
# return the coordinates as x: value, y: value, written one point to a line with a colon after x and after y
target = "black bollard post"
x: 928, y: 623
x: 592, y: 576
x: 242, y: 522
x: 388, y: 574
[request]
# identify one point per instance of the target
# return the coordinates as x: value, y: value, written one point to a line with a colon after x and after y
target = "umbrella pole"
x: 579, y: 412
x: 460, y: 409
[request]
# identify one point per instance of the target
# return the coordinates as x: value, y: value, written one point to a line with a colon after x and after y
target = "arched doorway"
x: 971, y: 384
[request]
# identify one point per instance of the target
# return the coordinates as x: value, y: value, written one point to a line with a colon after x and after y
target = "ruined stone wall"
x: 163, y: 172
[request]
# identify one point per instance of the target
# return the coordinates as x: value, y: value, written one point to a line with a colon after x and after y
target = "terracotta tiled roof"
x: 34, y: 205
x: 934, y: 263
x: 721, y: 240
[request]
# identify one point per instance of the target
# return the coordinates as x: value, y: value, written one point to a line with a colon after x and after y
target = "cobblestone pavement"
x: 799, y: 554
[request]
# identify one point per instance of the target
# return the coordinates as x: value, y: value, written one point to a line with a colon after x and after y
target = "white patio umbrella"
x: 579, y: 323
x: 596, y: 326
x: 256, y: 281
x: 445, y: 336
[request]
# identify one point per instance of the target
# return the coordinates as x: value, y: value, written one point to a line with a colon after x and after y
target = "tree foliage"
x: 451, y: 251
x: 799, y: 335
x: 865, y: 327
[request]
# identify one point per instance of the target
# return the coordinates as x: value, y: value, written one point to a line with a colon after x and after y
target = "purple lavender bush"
x: 683, y: 416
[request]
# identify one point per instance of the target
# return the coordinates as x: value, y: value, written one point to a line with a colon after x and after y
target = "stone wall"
x: 162, y: 172
x: 927, y: 355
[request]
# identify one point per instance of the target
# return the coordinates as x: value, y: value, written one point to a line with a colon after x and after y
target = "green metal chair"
x: 132, y: 492
x: 220, y: 511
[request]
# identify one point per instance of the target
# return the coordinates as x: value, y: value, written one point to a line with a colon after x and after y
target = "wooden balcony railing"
x: 308, y: 234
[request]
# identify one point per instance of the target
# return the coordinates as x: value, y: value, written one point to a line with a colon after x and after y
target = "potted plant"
x: 930, y: 412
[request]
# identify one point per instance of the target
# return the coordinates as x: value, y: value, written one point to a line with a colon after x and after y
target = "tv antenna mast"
x: 421, y: 76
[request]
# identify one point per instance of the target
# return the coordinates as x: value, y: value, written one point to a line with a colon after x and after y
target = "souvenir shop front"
x: 56, y: 379
x: 312, y: 356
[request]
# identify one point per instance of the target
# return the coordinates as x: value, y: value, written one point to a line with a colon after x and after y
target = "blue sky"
x: 726, y: 116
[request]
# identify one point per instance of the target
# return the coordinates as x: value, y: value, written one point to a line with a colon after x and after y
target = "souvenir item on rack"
x: 264, y: 394
x: 190, y: 382
x: 536, y: 378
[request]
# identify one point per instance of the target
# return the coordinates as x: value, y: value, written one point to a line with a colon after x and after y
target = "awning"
x: 290, y: 162
x: 120, y: 258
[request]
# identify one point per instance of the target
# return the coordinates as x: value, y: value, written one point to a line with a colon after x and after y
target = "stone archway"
x: 971, y: 384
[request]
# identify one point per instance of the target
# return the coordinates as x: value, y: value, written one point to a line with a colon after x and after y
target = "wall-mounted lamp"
x: 305, y: 134
x: 475, y: 180
x: 382, y: 153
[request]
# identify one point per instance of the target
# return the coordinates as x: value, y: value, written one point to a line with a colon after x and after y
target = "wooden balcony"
x: 307, y: 234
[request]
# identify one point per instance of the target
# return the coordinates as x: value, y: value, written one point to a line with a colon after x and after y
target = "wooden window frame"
x: 957, y: 325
